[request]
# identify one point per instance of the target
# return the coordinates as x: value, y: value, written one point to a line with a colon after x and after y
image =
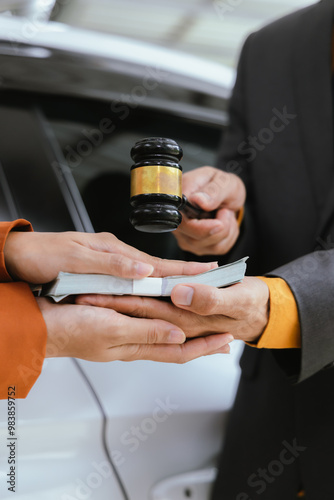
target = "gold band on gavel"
x: 153, y: 179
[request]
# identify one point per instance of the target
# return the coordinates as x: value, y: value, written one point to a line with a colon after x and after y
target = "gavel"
x: 156, y: 187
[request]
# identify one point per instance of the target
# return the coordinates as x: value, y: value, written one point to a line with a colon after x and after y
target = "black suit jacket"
x: 280, y: 141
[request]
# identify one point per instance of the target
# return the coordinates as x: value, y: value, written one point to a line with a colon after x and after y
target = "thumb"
x: 206, y: 300
x: 200, y: 299
x: 222, y: 190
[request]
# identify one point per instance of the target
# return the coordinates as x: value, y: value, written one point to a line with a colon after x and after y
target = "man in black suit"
x: 280, y: 439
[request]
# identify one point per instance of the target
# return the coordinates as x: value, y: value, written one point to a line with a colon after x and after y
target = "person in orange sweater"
x: 33, y: 328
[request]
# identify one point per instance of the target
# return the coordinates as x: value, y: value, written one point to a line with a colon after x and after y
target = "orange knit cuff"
x: 283, y: 328
x: 5, y: 228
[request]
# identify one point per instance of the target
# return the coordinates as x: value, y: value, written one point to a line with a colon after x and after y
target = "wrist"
x: 258, y: 311
x: 52, y: 315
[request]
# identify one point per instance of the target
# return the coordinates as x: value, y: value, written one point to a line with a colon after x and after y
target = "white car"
x: 72, y: 105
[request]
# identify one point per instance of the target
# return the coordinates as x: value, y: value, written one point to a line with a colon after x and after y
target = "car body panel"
x: 164, y: 419
x: 59, y: 452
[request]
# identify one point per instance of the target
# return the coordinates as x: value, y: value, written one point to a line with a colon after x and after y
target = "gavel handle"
x: 193, y: 212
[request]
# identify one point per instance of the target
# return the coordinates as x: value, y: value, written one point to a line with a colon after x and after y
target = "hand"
x: 241, y: 310
x: 211, y: 189
x: 39, y: 257
x: 98, y: 334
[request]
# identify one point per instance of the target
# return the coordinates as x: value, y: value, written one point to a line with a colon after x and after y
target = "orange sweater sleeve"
x: 22, y: 339
x: 5, y: 228
x: 23, y: 330
x: 283, y: 328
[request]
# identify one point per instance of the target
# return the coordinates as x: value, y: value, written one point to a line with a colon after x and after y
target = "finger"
x: 177, y: 268
x: 223, y: 350
x: 146, y: 308
x: 221, y: 189
x: 208, y: 300
x: 108, y: 255
x: 180, y: 354
x: 120, y: 329
x: 162, y: 267
x: 218, y: 244
x: 116, y: 264
x: 131, y: 305
x: 148, y: 331
x: 207, y: 232
x: 199, y: 229
x: 193, y: 325
x: 89, y: 328
x: 190, y: 245
x: 226, y: 241
x: 194, y: 180
x: 116, y: 329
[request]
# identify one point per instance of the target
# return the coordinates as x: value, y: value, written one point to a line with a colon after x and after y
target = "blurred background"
x: 212, y: 29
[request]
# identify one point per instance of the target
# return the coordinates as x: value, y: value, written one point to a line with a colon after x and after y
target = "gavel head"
x: 156, y: 185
